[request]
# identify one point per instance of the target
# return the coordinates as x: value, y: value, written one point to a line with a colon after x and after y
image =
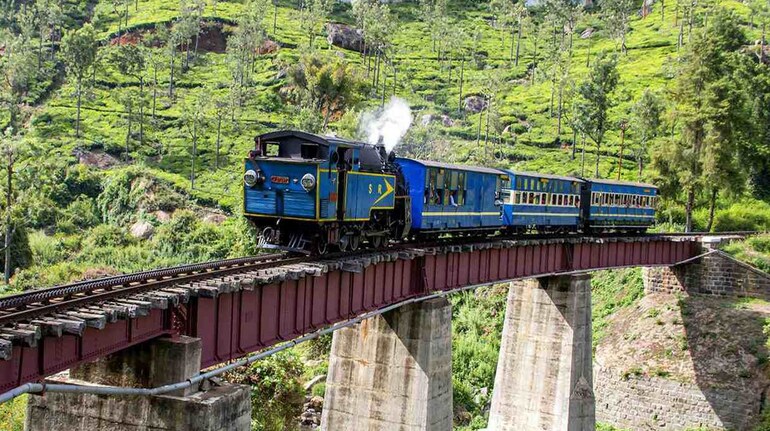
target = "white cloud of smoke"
x: 389, y: 124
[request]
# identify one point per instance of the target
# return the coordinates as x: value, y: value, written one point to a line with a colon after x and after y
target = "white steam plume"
x: 389, y: 124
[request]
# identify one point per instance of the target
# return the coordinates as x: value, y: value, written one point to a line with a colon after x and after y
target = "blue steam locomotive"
x: 307, y: 192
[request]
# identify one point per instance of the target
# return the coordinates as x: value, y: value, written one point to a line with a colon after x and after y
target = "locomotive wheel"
x: 344, y: 243
x: 377, y: 241
x: 355, y: 242
x: 321, y: 246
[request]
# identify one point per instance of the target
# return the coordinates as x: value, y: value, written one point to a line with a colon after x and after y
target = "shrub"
x: 277, y: 393
x: 743, y: 216
x: 105, y: 235
x: 82, y: 213
x: 134, y: 189
x: 48, y: 250
x: 12, y: 414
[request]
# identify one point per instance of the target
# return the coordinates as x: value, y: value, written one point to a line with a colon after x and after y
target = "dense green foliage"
x: 477, y: 325
x: 754, y: 250
x: 277, y: 393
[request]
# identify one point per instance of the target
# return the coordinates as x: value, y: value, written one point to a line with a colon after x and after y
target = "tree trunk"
x: 620, y: 155
x: 553, y: 97
x: 141, y: 110
x: 574, y: 142
x: 712, y: 209
x: 513, y: 44
x: 598, y: 156
x: 486, y: 129
x: 219, y: 136
x: 128, y: 133
x: 171, y: 75
x: 275, y: 18
x: 583, y: 159
x: 762, y: 43
x: 395, y: 80
x: 8, y: 231
x: 461, y: 109
x: 194, y: 154
x: 154, y: 92
x: 688, y: 209
x: 518, y: 44
x: 77, y: 120
x: 478, y: 132
x: 384, y: 87
x: 560, y: 110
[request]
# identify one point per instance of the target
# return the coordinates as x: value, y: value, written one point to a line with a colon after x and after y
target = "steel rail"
x: 24, y: 298
x: 144, y: 285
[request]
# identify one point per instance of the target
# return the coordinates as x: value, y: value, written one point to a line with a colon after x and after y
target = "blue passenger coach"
x: 618, y: 205
x: 453, y: 197
x: 548, y: 203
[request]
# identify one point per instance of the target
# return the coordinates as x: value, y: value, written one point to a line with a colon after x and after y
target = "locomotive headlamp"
x: 308, y: 182
x: 250, y: 178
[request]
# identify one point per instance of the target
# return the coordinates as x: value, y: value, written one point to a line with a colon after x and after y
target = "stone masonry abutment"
x: 641, y: 402
x: 167, y: 360
x: 544, y: 375
x: 392, y: 372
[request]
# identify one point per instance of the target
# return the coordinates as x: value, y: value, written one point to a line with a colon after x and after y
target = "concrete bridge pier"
x: 155, y: 363
x: 544, y: 378
x: 392, y: 372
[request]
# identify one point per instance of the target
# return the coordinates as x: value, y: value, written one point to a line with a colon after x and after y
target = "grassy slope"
x: 651, y: 50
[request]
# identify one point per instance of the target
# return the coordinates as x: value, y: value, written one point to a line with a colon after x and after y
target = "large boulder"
x: 475, y: 104
x: 345, y: 36
x: 95, y: 159
x: 142, y: 229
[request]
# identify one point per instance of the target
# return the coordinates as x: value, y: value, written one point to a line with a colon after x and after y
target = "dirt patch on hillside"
x: 213, y: 38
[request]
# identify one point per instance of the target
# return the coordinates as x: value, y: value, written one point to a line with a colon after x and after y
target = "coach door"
x: 345, y: 164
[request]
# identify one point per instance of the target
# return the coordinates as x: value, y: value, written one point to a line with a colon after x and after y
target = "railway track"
x: 130, y: 293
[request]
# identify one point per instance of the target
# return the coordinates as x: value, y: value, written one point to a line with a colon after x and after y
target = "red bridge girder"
x: 236, y: 323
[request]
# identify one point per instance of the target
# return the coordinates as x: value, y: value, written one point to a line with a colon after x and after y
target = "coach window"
x: 560, y: 200
x: 517, y: 198
x: 430, y: 186
x: 461, y: 189
x: 554, y: 199
x: 441, y: 187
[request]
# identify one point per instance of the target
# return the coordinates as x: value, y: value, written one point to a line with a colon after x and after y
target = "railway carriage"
x: 448, y: 197
x: 546, y: 203
x: 618, y: 205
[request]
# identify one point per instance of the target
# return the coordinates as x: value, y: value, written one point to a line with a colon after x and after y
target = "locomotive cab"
x: 305, y: 192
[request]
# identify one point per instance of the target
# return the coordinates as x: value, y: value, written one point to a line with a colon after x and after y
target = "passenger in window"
x: 452, y: 198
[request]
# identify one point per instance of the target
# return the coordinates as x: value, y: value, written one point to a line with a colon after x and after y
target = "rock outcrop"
x: 345, y: 36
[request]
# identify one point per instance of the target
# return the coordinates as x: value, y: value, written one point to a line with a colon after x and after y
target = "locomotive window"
x: 309, y: 151
x: 272, y: 149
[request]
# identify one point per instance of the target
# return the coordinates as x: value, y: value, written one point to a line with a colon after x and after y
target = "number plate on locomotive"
x: 279, y: 180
